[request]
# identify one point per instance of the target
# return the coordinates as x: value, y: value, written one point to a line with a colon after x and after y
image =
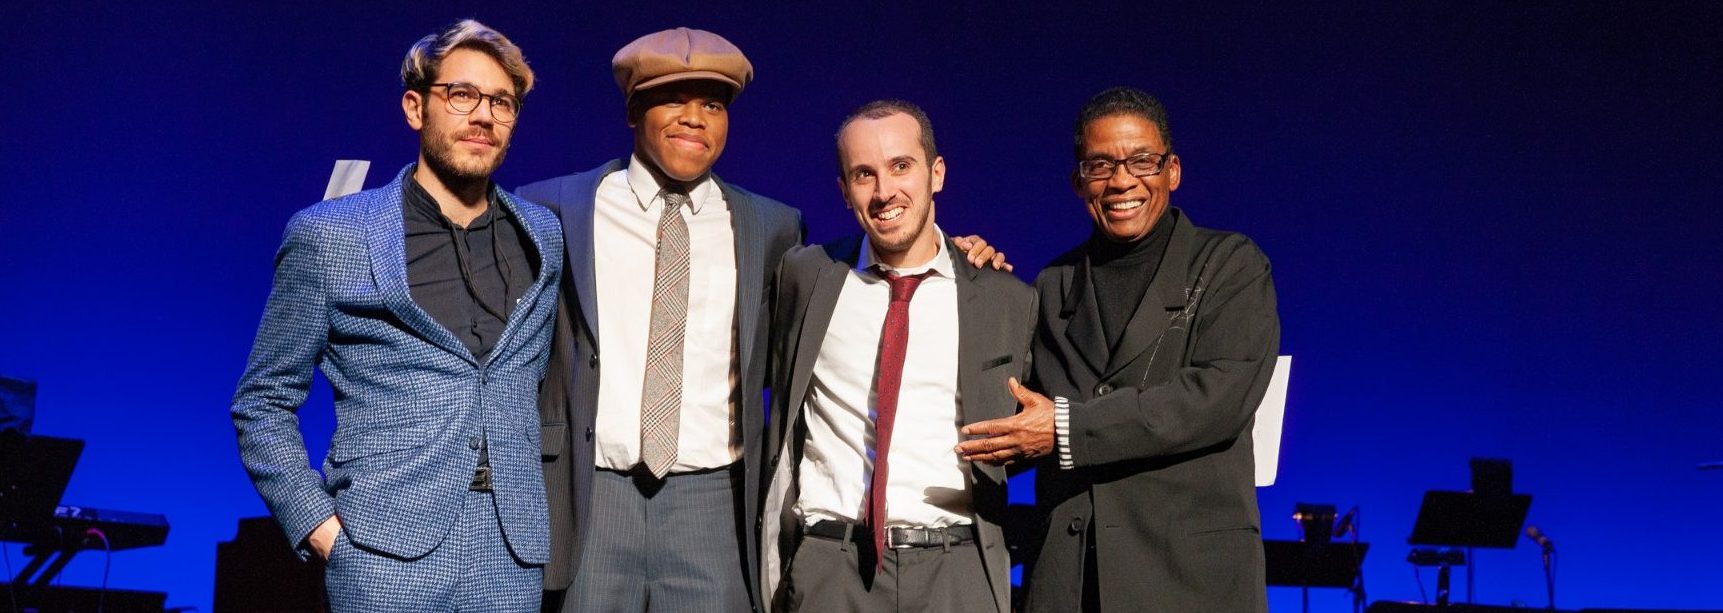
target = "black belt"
x: 896, y: 537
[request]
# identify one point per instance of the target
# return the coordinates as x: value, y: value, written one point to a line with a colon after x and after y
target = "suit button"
x: 1076, y: 526
x: 589, y: 434
x: 474, y: 442
x: 1103, y: 389
x: 593, y: 361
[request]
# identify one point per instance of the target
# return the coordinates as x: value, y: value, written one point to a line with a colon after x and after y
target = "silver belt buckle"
x: 906, y: 532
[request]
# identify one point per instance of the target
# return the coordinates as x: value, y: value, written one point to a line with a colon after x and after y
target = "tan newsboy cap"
x: 679, y: 55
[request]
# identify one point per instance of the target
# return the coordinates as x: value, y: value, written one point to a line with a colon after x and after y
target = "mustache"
x: 479, y: 133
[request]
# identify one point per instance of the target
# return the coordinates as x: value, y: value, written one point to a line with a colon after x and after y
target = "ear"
x: 844, y: 190
x: 1173, y: 172
x: 413, y: 106
x: 1077, y: 183
x: 938, y: 170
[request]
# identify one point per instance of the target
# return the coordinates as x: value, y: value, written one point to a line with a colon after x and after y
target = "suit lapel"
x: 522, y: 309
x: 1165, y: 298
x: 822, y: 303
x: 749, y: 233
x: 581, y: 197
x: 386, y: 243
x: 1082, y: 311
x: 974, y: 319
x: 972, y: 316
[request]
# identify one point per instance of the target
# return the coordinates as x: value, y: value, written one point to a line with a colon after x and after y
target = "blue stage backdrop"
x: 1494, y: 226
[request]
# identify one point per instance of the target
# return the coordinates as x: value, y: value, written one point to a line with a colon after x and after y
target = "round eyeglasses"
x: 464, y: 98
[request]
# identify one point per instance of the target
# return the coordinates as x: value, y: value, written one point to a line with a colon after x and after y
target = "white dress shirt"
x: 928, y: 484
x: 625, y: 241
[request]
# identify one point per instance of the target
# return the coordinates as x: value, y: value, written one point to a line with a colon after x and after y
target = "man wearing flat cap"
x: 651, y: 410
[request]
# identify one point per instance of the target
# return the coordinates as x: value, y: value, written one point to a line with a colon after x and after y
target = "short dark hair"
x: 1122, y: 101
x: 881, y: 109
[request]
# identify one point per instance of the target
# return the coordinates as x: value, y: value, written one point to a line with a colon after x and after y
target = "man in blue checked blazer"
x: 428, y: 303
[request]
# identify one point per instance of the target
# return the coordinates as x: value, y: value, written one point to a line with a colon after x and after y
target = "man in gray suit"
x: 647, y: 449
x: 427, y: 303
x: 1157, y: 340
x: 887, y: 344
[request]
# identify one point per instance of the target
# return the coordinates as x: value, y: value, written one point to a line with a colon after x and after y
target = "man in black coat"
x: 1156, y: 342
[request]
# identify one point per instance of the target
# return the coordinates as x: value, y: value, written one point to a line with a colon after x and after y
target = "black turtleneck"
x: 1121, y: 274
x: 465, y: 278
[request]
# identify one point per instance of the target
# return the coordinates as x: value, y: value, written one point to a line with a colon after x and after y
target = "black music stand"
x: 1314, y: 560
x: 1466, y: 520
x: 34, y: 472
x: 1306, y: 565
x: 1299, y: 564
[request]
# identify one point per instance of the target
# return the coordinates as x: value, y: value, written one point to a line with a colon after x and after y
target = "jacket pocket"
x: 999, y: 361
x: 377, y: 442
x: 553, y: 438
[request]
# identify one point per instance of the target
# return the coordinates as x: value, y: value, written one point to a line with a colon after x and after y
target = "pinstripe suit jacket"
x: 410, y: 399
x: 764, y: 229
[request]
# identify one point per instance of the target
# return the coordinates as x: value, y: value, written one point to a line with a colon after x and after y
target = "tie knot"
x: 675, y: 197
x: 902, y: 286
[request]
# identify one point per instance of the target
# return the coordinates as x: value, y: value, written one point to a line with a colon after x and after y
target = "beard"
x: 903, y: 238
x: 457, y: 168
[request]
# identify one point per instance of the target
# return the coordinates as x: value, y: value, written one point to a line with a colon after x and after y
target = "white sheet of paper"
x: 1270, y: 418
x: 348, y: 177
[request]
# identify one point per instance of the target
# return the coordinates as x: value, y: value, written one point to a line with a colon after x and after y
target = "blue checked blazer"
x: 410, y: 399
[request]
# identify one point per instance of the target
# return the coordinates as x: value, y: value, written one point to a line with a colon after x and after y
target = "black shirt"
x: 468, y: 279
x: 1121, y: 274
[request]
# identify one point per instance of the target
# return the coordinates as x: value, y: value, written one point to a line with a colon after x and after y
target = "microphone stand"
x: 1549, y: 575
x: 1357, y: 589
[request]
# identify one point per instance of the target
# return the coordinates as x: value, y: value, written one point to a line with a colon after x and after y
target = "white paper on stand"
x: 348, y: 177
x: 1270, y: 419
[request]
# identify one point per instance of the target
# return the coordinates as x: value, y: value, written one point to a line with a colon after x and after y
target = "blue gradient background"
x: 1493, y: 226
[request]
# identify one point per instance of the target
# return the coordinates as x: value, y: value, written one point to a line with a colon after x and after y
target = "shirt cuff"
x: 1062, y: 431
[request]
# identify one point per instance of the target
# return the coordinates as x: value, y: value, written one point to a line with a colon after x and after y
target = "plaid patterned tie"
x: 893, y: 343
x: 661, y: 396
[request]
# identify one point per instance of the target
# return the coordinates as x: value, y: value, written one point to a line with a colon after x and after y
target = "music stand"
x: 1468, y: 520
x: 34, y: 472
x: 1300, y: 564
x: 1464, y: 519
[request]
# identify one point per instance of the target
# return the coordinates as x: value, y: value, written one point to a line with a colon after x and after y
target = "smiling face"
x: 467, y: 147
x: 680, y: 127
x: 1125, y: 207
x: 889, y: 185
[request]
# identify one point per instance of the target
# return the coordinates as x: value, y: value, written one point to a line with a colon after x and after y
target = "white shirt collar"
x: 940, y: 264
x: 647, y: 187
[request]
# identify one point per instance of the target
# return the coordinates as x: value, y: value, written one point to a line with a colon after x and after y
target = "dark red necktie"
x: 893, y: 340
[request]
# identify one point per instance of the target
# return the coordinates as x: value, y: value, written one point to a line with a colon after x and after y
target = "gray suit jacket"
x: 764, y: 230
x: 410, y: 399
x: 996, y: 315
x: 1160, y: 431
